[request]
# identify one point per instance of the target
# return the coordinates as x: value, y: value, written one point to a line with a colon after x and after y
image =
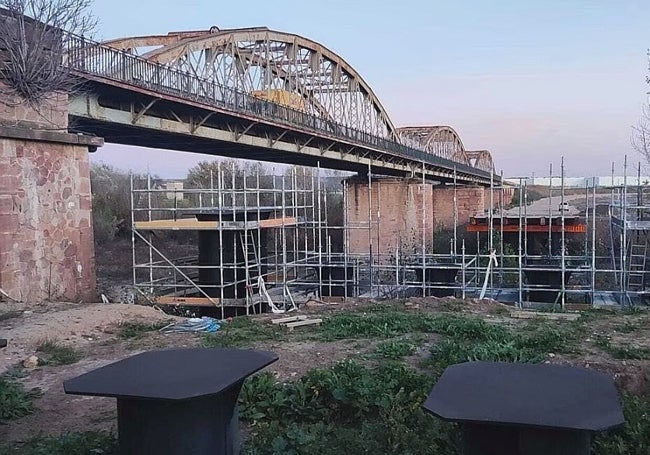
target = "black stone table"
x: 526, y: 409
x: 180, y: 401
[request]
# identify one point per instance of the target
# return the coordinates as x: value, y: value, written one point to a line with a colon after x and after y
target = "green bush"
x: 348, y: 408
x: 15, y: 400
x: 633, y: 438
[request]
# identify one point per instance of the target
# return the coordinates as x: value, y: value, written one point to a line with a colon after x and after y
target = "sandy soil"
x: 78, y: 325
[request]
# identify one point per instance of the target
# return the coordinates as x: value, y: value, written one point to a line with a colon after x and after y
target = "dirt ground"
x: 93, y: 329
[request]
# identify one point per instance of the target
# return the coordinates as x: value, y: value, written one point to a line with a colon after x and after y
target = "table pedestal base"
x: 206, y: 425
x: 502, y: 440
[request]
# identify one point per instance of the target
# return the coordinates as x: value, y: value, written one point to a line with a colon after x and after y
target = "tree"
x: 32, y: 47
x: 641, y: 131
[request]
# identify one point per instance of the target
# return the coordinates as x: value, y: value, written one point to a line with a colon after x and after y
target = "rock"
x: 31, y: 362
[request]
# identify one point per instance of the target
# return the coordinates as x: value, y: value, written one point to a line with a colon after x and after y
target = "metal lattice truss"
x: 279, y: 67
x: 480, y: 159
x: 444, y: 142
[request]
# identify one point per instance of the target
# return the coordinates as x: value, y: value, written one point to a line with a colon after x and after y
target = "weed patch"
x: 15, y: 400
x: 472, y: 339
x: 623, y: 352
x: 10, y: 315
x: 377, y: 321
x: 242, y: 332
x: 344, y: 409
x: 628, y: 326
x: 69, y: 444
x: 633, y: 438
x: 53, y: 353
x: 136, y: 330
x: 394, y: 349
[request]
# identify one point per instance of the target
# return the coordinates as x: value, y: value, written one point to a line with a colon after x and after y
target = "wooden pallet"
x: 542, y: 315
x: 296, y: 321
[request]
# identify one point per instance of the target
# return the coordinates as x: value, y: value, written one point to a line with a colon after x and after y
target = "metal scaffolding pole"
x: 562, y: 234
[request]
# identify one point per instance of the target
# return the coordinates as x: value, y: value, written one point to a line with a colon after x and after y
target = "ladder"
x: 249, y: 250
x: 636, y: 267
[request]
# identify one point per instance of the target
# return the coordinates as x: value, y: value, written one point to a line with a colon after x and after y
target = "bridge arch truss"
x: 280, y: 67
x: 444, y: 141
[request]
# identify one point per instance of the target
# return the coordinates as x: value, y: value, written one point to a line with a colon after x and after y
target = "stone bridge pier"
x: 46, y: 232
x: 392, y: 213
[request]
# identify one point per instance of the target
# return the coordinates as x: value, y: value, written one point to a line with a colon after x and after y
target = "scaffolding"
x: 265, y: 242
x: 258, y: 240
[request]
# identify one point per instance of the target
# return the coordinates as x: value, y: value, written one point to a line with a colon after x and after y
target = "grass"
x: 10, y: 315
x: 82, y: 443
x: 633, y: 438
x: 394, y: 349
x: 471, y: 339
x: 53, y: 353
x: 623, y: 352
x: 15, y: 400
x: 628, y: 326
x: 242, y: 332
x: 137, y: 330
x: 376, y: 321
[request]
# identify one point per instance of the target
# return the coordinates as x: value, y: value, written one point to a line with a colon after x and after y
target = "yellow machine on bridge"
x: 282, y: 97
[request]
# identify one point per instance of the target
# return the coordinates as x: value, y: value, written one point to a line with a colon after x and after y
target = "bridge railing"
x: 89, y: 57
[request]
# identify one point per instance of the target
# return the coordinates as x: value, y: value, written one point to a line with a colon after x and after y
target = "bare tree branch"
x: 641, y: 131
x: 32, y: 47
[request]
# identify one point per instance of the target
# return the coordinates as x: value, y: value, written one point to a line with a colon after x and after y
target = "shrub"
x: 15, y: 401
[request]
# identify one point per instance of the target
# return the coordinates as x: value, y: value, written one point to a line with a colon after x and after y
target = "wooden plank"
x: 190, y: 301
x: 279, y: 222
x: 577, y: 306
x: 289, y: 319
x: 183, y: 224
x: 293, y: 325
x: 542, y: 315
x: 332, y: 299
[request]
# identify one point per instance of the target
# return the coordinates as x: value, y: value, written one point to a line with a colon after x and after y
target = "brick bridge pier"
x: 46, y: 233
x: 404, y: 212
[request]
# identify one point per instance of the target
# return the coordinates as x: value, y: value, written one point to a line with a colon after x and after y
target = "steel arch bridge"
x: 444, y: 141
x: 280, y: 67
x: 257, y: 73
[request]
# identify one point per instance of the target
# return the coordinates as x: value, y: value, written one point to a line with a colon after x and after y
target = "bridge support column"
x: 397, y: 213
x: 470, y: 201
x: 46, y: 233
x: 401, y: 212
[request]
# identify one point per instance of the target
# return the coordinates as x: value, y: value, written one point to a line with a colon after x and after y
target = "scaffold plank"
x: 192, y: 224
x: 190, y: 301
x: 279, y: 222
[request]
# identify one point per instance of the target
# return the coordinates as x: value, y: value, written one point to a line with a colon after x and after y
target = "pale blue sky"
x: 528, y: 80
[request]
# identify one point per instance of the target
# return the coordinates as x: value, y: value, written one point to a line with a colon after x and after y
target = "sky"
x: 530, y: 81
